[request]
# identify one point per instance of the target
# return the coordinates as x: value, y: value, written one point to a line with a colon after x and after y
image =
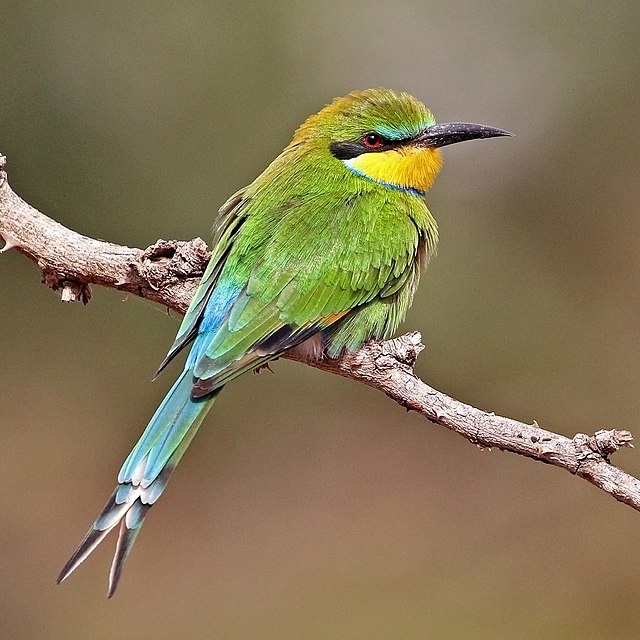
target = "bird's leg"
x: 261, y: 367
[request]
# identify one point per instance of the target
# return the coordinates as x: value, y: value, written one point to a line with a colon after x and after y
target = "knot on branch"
x: 171, y: 261
x: 602, y: 444
x: 403, y: 350
x: 384, y: 356
x: 72, y: 290
x: 186, y: 259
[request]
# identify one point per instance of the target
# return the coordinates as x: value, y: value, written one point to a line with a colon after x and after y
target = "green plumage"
x: 314, y: 254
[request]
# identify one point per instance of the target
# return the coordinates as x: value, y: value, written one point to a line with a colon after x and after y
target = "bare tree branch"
x: 169, y: 271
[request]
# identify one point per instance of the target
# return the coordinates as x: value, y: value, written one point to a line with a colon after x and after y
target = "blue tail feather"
x: 169, y: 423
x: 145, y: 474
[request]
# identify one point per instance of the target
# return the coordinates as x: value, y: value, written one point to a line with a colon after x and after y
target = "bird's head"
x: 386, y: 136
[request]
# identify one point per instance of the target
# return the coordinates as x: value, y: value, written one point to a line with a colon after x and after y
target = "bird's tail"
x: 145, y: 474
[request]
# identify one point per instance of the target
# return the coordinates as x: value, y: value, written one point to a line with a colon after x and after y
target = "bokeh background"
x: 310, y: 506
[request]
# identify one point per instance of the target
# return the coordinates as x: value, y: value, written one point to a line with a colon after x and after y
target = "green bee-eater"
x: 320, y: 253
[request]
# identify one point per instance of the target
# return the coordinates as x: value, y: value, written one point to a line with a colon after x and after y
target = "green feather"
x: 310, y: 249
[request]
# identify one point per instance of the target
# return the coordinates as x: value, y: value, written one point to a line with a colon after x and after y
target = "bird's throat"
x: 406, y: 168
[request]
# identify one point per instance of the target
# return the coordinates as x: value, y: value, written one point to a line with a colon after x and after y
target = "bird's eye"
x: 372, y: 140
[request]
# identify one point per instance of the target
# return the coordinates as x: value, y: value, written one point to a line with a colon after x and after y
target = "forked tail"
x: 145, y: 474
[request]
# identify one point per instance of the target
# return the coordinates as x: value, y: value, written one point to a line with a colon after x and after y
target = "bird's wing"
x: 312, y: 261
x: 226, y: 226
x: 278, y: 275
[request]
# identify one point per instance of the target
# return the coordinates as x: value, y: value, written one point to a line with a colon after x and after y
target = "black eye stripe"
x: 347, y: 149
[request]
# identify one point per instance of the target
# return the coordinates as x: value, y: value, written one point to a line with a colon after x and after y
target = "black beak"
x: 440, y: 135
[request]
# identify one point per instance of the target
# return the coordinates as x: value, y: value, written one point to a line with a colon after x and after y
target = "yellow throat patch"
x: 405, y: 167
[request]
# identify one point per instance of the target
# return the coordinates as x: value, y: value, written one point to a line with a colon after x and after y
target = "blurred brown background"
x: 308, y: 506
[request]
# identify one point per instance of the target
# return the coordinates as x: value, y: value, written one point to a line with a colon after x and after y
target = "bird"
x: 321, y: 253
